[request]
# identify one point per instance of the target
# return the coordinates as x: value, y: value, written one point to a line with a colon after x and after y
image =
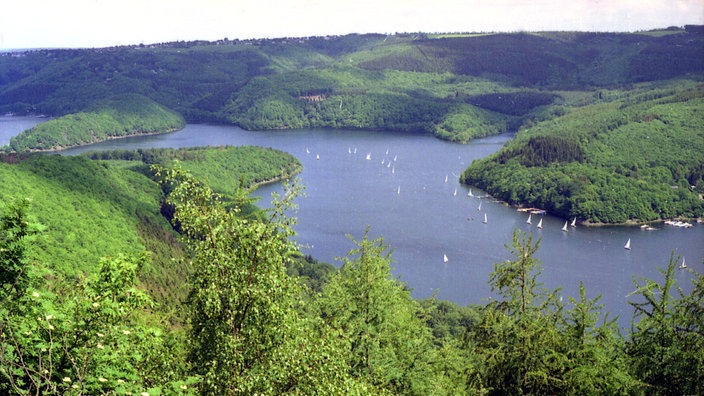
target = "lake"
x: 408, y: 192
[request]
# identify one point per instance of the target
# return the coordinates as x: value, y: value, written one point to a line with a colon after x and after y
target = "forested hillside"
x: 118, y: 116
x: 93, y: 209
x: 456, y: 86
x: 634, y: 157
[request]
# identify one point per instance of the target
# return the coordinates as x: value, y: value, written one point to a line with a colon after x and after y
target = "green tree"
x: 14, y: 230
x: 246, y: 333
x: 666, y: 348
x: 517, y: 334
x: 389, y: 346
x: 595, y: 361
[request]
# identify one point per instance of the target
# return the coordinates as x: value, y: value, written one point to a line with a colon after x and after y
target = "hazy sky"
x: 101, y: 23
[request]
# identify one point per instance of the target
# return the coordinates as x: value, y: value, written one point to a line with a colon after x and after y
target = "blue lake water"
x: 407, y: 200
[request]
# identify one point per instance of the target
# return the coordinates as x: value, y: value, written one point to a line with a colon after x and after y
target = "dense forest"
x: 637, y: 158
x: 119, y: 116
x: 91, y: 209
x: 252, y: 316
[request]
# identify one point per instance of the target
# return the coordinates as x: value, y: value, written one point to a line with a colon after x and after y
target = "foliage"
x: 456, y: 87
x: 527, y: 345
x: 605, y: 162
x: 90, y: 210
x: 246, y: 335
x: 86, y: 336
x: 667, y: 340
x: 14, y: 230
x: 389, y: 346
x: 252, y: 328
x: 244, y: 166
x: 93, y: 209
x: 116, y: 117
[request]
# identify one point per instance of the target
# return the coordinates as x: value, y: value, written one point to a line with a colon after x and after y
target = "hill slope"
x: 406, y: 82
x: 93, y: 209
x: 636, y: 158
x: 119, y: 116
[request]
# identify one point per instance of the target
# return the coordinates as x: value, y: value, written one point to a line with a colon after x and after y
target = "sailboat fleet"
x: 387, y: 163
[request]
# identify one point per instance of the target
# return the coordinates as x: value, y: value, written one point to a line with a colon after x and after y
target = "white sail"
x: 480, y: 206
x: 444, y: 258
x: 574, y: 222
x: 398, y: 191
x: 469, y: 194
x: 455, y: 193
x: 445, y: 178
x: 627, y: 246
x: 307, y: 151
x: 349, y: 150
x: 485, y: 219
x: 529, y: 221
x: 369, y: 156
x: 564, y: 227
x: 540, y: 223
x: 395, y: 158
x: 317, y: 157
x: 683, y: 265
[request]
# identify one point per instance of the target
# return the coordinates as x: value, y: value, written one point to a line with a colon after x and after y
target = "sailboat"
x: 683, y: 265
x: 369, y: 156
x: 528, y: 221
x: 627, y: 246
x: 317, y: 156
x: 485, y: 219
x: 574, y: 222
x: 395, y: 158
x: 564, y: 227
x: 307, y: 151
x: 470, y: 193
x: 445, y: 178
x: 480, y: 206
x: 444, y: 258
x: 398, y: 191
x: 349, y: 150
x: 455, y: 193
x: 540, y: 223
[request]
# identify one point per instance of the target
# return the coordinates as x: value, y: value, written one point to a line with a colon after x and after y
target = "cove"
x: 411, y: 197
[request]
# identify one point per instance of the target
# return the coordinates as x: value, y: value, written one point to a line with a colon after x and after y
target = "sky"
x: 102, y: 23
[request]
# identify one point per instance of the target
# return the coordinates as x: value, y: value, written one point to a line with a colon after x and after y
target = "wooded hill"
x: 116, y: 117
x: 93, y: 209
x: 633, y: 157
x: 456, y: 87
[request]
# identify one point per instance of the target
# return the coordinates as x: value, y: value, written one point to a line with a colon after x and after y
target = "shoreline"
x: 627, y: 223
x: 62, y: 148
x: 277, y: 179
